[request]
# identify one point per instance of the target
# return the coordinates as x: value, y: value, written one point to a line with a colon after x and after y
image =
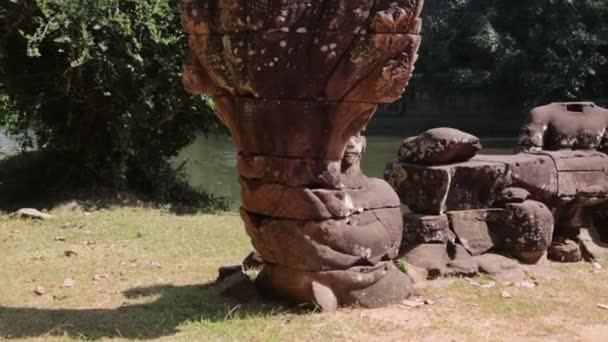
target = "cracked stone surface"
x: 296, y: 82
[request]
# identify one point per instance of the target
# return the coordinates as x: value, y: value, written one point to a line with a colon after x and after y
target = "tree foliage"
x: 101, y: 81
x: 529, y: 51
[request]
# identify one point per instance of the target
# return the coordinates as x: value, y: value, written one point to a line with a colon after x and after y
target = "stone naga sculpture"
x: 296, y: 82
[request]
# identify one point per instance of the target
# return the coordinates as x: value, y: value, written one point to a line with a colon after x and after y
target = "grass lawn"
x: 129, y: 273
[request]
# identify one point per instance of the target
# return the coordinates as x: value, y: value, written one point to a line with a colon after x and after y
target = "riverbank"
x: 134, y: 272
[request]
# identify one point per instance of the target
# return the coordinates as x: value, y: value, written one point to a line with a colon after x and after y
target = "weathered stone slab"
x: 436, y: 189
x: 477, y: 230
x: 310, y: 245
x: 293, y: 172
x: 426, y: 229
x: 592, y: 245
x: 535, y: 173
x: 439, y: 146
x: 239, y: 62
x: 369, y: 287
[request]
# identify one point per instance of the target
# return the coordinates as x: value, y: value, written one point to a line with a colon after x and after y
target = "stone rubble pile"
x: 547, y: 200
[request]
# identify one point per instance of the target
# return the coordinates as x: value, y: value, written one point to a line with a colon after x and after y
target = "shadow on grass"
x: 170, y: 307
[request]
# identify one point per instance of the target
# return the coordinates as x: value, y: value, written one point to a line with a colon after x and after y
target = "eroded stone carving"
x: 296, y: 82
x: 550, y: 197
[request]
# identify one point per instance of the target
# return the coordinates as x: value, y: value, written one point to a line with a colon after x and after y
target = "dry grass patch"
x: 141, y: 274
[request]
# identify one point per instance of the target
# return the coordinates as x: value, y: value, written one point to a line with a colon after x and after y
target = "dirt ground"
x: 147, y: 274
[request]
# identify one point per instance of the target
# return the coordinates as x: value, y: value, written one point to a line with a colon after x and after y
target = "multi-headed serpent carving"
x: 296, y: 81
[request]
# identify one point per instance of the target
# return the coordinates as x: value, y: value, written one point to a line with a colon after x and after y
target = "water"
x: 211, y: 161
x: 8, y: 145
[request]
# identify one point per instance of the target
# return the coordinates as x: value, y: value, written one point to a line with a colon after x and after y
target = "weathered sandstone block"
x: 439, y: 146
x: 296, y: 82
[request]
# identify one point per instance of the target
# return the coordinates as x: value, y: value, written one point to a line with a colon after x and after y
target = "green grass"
x: 155, y: 274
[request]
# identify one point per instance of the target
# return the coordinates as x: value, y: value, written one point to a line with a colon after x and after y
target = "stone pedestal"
x: 296, y: 82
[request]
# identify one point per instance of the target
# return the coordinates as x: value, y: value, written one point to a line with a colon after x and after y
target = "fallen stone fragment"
x: 34, y: 214
x: 603, y: 306
x: 565, y: 250
x: 227, y: 271
x: 439, y: 146
x: 39, y: 290
x: 426, y: 229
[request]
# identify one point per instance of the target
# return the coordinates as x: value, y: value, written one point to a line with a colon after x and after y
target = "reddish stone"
x: 366, y: 238
x: 426, y: 229
x: 369, y: 287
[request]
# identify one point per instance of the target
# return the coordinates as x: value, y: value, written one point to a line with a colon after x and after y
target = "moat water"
x: 210, y: 162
